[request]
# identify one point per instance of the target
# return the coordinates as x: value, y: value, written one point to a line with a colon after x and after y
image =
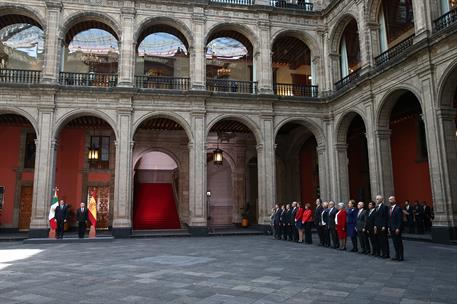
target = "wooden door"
x: 25, y: 212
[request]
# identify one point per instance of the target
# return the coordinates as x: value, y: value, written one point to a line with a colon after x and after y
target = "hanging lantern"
x: 93, y: 153
x: 217, y: 156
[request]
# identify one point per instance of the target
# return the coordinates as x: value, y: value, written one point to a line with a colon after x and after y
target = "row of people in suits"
x: 292, y: 222
x: 368, y: 227
x: 61, y: 216
x: 418, y: 217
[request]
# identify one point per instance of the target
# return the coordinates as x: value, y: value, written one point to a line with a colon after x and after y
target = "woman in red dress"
x: 340, y: 221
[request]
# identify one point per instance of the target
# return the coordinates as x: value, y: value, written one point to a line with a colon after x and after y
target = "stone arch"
x: 69, y: 116
x: 104, y: 21
x: 447, y: 86
x: 302, y: 36
x: 178, y: 25
x: 338, y: 29
x: 255, y: 129
x: 242, y: 29
x: 27, y: 115
x: 11, y: 9
x: 389, y: 101
x: 373, y: 7
x: 315, y: 129
x: 172, y: 116
x: 342, y: 125
x: 157, y: 149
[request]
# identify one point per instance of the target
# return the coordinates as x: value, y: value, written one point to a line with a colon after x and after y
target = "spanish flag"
x: 92, y: 207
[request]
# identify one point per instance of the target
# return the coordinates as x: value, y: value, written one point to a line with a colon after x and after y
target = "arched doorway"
x: 80, y: 174
x: 161, y: 174
x: 17, y: 170
x: 156, y: 192
x: 232, y: 194
x: 358, y: 164
x: 292, y: 68
x: 402, y: 114
x: 298, y: 179
x: 90, y: 55
x: 21, y: 49
x: 229, y: 62
x: 162, y: 58
x: 396, y: 22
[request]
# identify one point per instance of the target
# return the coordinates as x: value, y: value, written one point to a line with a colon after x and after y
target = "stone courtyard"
x: 235, y: 269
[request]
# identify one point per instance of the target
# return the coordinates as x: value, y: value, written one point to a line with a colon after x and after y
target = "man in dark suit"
x: 82, y: 217
x: 60, y: 216
x: 369, y: 228
x: 293, y: 228
x: 360, y: 227
x: 317, y: 221
x: 331, y: 224
x: 277, y: 222
x: 381, y: 223
x: 396, y: 227
x: 324, y: 225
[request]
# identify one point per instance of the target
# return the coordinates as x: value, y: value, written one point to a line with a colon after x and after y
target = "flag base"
x: 52, y: 233
x: 92, y: 233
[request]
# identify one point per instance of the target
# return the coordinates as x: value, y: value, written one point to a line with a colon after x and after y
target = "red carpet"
x: 155, y: 207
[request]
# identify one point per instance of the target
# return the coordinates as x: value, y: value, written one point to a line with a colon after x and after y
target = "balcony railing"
x: 19, y: 76
x: 284, y: 89
x: 393, y: 52
x: 348, y: 79
x: 233, y: 2
x: 104, y: 80
x: 162, y: 83
x: 231, y: 86
x: 306, y: 6
x: 446, y: 20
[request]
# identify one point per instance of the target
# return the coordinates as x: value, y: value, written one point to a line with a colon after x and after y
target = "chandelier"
x: 222, y: 72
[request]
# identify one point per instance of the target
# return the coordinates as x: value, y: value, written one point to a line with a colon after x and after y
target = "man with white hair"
x: 381, y: 223
x: 332, y: 225
x: 396, y: 227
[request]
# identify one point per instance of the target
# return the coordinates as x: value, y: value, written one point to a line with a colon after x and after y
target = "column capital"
x: 340, y: 147
x: 383, y: 133
x: 259, y: 147
x: 57, y: 5
x: 446, y: 113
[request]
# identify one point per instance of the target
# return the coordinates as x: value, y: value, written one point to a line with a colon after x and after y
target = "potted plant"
x: 245, y: 217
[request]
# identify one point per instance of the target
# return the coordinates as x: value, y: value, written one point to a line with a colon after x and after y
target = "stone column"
x: 331, y: 165
x: 335, y: 74
x: 122, y: 217
x: 364, y: 36
x: 326, y: 81
x: 197, y: 51
x: 384, y: 154
x: 127, y: 46
x: 374, y: 170
x: 422, y: 19
x: 442, y: 152
x: 264, y: 63
x: 53, y: 45
x: 323, y: 176
x: 197, y: 175
x: 373, y: 42
x: 44, y: 171
x: 342, y: 175
x: 444, y: 176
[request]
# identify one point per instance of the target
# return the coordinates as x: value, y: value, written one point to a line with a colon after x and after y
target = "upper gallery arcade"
x: 306, y: 99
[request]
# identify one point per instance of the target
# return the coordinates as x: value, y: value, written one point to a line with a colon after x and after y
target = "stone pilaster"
x: 422, y: 19
x: 122, y: 216
x: 373, y: 39
x: 371, y: 148
x: 44, y: 171
x: 364, y: 37
x: 263, y: 61
x: 197, y: 174
x: 197, y: 51
x: 385, y: 174
x: 342, y: 176
x: 127, y: 46
x: 267, y: 177
x: 331, y: 159
x: 323, y: 176
x: 53, y: 44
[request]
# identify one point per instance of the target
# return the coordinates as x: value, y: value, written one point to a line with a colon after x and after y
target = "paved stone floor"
x: 241, y: 269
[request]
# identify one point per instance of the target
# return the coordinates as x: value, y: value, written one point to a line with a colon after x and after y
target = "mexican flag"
x: 52, y: 211
x: 92, y: 208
